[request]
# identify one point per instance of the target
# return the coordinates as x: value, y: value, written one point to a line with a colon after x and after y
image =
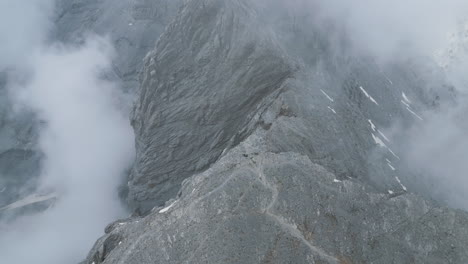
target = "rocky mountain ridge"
x: 276, y: 157
x: 261, y: 137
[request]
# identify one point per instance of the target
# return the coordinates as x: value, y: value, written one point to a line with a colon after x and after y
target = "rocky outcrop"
x: 221, y: 70
x: 254, y: 206
x: 267, y: 144
x: 212, y: 72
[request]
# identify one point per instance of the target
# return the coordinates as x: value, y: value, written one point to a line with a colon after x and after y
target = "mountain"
x: 259, y: 141
x: 261, y: 135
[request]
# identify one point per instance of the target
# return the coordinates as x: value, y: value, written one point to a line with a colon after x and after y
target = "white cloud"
x: 86, y: 137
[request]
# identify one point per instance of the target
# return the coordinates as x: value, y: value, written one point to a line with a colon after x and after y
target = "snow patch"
x: 393, y: 153
x: 405, y: 98
x: 31, y: 199
x: 331, y: 109
x: 383, y: 135
x: 401, y: 184
x: 389, y: 163
x: 405, y: 103
x: 372, y: 125
x: 329, y: 98
x: 416, y: 115
x: 337, y: 181
x: 368, y: 96
x: 390, y: 192
x: 164, y: 210
x: 378, y: 141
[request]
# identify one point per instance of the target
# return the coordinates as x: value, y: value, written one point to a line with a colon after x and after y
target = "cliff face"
x: 212, y: 73
x: 261, y: 137
x: 266, y: 144
x: 216, y: 76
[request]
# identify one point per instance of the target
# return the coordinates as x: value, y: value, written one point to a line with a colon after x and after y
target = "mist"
x: 432, y: 37
x: 85, y: 135
x: 87, y: 140
x: 388, y: 31
x: 24, y: 25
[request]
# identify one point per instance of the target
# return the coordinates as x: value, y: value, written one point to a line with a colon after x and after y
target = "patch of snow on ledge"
x: 164, y: 210
x: 393, y: 153
x: 383, y: 135
x: 401, y: 184
x: 405, y: 103
x: 329, y: 98
x: 372, y: 125
x: 405, y: 98
x: 31, y: 199
x: 378, y: 141
x: 368, y: 96
x: 416, y: 115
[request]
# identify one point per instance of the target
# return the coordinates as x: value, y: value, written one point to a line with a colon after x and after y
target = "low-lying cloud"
x: 400, y: 30
x: 386, y: 29
x: 85, y: 137
x: 23, y: 27
x: 432, y: 35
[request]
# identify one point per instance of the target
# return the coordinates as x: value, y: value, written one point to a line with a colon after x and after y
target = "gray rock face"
x: 275, y: 142
x: 221, y: 71
x: 263, y: 139
x: 212, y: 72
x: 254, y: 206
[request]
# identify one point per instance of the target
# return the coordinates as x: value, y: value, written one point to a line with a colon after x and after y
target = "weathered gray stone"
x: 254, y: 206
x: 261, y: 136
x: 211, y: 73
x: 221, y: 70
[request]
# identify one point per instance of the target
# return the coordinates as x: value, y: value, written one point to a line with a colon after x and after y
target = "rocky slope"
x: 266, y: 143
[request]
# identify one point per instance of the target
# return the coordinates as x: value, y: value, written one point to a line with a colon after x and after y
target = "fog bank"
x: 85, y: 135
